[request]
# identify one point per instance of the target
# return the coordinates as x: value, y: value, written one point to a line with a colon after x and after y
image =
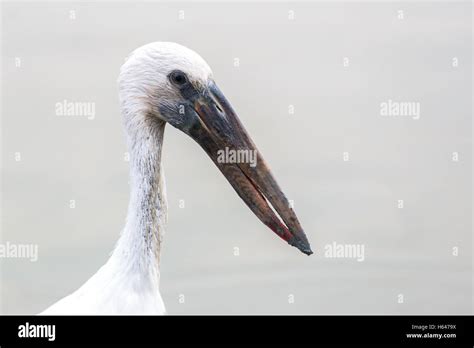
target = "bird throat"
x: 139, y: 246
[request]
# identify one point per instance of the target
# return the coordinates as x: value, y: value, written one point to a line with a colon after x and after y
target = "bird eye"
x: 178, y: 78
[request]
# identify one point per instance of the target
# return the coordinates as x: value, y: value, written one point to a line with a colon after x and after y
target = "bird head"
x: 166, y: 82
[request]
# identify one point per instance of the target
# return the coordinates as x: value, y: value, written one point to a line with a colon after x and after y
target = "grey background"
x: 282, y: 62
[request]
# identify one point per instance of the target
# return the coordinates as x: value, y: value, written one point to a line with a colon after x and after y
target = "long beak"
x: 221, y: 132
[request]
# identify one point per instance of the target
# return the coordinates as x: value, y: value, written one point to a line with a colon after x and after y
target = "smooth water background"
x: 283, y: 62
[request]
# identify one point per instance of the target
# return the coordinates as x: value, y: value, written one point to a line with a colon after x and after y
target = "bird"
x: 166, y: 83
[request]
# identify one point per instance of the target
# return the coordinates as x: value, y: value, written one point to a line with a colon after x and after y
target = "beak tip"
x: 306, y: 251
x: 302, y: 245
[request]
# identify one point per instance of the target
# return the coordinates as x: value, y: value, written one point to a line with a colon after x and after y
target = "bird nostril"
x: 219, y: 107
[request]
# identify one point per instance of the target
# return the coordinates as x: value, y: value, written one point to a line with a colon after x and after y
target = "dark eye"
x: 178, y: 78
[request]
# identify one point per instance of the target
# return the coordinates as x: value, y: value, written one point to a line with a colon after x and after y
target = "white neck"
x: 138, y: 249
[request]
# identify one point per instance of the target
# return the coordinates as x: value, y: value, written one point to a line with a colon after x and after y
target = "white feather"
x: 129, y: 282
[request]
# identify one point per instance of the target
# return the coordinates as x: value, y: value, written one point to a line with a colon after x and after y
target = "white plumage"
x: 166, y: 83
x: 129, y: 282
